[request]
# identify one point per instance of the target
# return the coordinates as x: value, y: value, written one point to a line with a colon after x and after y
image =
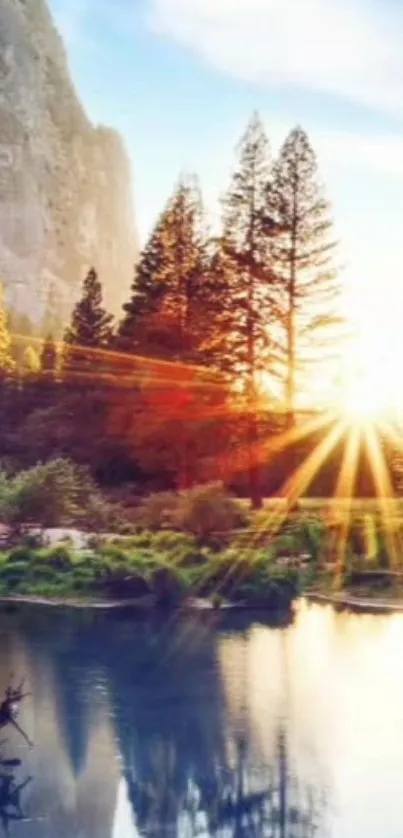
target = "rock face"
x: 65, y: 185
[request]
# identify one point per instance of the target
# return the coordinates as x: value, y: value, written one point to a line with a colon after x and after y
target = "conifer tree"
x: 49, y: 356
x: 90, y: 328
x: 7, y: 363
x: 248, y: 229
x: 31, y: 363
x: 161, y: 318
x: 303, y: 256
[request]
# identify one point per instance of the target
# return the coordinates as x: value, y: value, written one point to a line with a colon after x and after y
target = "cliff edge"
x: 65, y: 185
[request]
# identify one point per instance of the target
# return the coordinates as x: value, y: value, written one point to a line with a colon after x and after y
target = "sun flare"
x: 365, y: 400
x: 371, y: 390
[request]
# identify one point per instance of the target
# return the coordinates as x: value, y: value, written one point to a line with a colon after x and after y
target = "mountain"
x: 65, y: 184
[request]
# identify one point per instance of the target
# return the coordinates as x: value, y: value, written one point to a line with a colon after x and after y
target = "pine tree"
x: 31, y: 363
x: 248, y: 230
x: 303, y: 255
x: 161, y: 319
x: 7, y: 363
x: 49, y: 356
x: 53, y: 321
x: 90, y: 328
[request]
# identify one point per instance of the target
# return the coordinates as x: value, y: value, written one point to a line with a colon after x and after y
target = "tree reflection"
x: 174, y: 733
x: 10, y: 793
x: 193, y: 768
x: 11, y: 787
x: 10, y: 707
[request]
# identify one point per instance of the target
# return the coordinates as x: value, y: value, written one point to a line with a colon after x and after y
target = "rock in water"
x: 65, y: 185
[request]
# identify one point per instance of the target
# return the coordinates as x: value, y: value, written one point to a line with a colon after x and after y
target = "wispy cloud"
x: 350, y: 48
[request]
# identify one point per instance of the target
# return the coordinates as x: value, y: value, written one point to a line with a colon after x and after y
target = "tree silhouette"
x: 303, y: 254
x: 90, y: 329
x: 162, y: 319
x: 248, y: 229
x: 7, y: 363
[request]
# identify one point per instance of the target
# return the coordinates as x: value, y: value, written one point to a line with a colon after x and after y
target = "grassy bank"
x: 267, y: 564
x: 162, y: 569
x: 201, y: 543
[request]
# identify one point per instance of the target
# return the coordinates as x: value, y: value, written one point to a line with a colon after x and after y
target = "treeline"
x: 202, y: 377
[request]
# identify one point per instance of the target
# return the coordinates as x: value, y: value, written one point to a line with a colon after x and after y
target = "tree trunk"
x: 185, y: 470
x: 291, y: 316
x: 254, y: 469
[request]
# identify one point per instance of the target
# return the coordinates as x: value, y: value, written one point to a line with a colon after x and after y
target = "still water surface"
x: 188, y: 728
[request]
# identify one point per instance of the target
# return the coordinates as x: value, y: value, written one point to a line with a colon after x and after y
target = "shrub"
x: 50, y: 494
x: 159, y: 510
x: 53, y: 494
x: 208, y: 510
x: 14, y: 573
x: 59, y: 557
x: 20, y: 554
x: 202, y: 511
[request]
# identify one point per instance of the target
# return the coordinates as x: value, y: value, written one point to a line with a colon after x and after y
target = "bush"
x: 50, y: 494
x: 60, y: 557
x: 56, y: 494
x: 202, y: 511
x: 208, y: 510
x: 158, y: 511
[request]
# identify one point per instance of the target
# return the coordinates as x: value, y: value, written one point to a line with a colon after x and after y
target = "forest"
x: 208, y: 375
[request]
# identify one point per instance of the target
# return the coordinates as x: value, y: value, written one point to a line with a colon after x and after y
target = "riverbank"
x: 341, y: 602
x: 362, y: 604
x: 144, y: 604
x: 265, y: 568
x: 150, y: 570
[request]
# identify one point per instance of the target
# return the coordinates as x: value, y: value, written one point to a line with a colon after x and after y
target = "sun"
x: 362, y: 401
x: 372, y: 389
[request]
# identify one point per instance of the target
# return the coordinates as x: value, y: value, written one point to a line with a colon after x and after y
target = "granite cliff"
x: 65, y: 185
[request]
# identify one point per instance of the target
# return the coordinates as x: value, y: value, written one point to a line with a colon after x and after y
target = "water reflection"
x: 11, y: 767
x: 191, y: 728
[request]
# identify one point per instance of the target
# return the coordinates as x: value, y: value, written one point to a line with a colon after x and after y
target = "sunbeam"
x: 384, y: 489
x: 344, y: 490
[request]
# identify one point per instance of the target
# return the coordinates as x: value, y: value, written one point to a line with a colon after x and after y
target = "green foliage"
x: 246, y: 257
x: 7, y: 363
x: 49, y: 358
x: 207, y: 510
x: 162, y: 318
x: 165, y: 571
x: 307, y: 289
x: 90, y: 328
x: 158, y: 511
x: 57, y: 493
x: 31, y: 362
x: 202, y: 511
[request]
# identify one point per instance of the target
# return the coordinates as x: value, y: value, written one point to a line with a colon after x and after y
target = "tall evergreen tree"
x: 7, y: 363
x: 161, y: 319
x: 53, y: 318
x: 31, y: 363
x: 90, y: 328
x: 49, y: 356
x: 248, y: 230
x: 303, y: 256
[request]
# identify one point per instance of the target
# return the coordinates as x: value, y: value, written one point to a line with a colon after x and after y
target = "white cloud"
x: 346, y: 47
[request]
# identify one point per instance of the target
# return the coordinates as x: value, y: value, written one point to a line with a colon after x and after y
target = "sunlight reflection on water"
x: 183, y: 727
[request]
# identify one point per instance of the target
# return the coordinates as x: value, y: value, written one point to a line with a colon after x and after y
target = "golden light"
x: 371, y: 389
x: 367, y: 399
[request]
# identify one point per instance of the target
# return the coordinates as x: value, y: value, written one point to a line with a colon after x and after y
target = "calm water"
x: 191, y: 728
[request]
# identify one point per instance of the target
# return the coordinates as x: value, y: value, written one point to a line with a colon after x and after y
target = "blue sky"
x: 180, y: 78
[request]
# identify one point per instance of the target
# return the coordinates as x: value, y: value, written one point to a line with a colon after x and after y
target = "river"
x: 190, y: 727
